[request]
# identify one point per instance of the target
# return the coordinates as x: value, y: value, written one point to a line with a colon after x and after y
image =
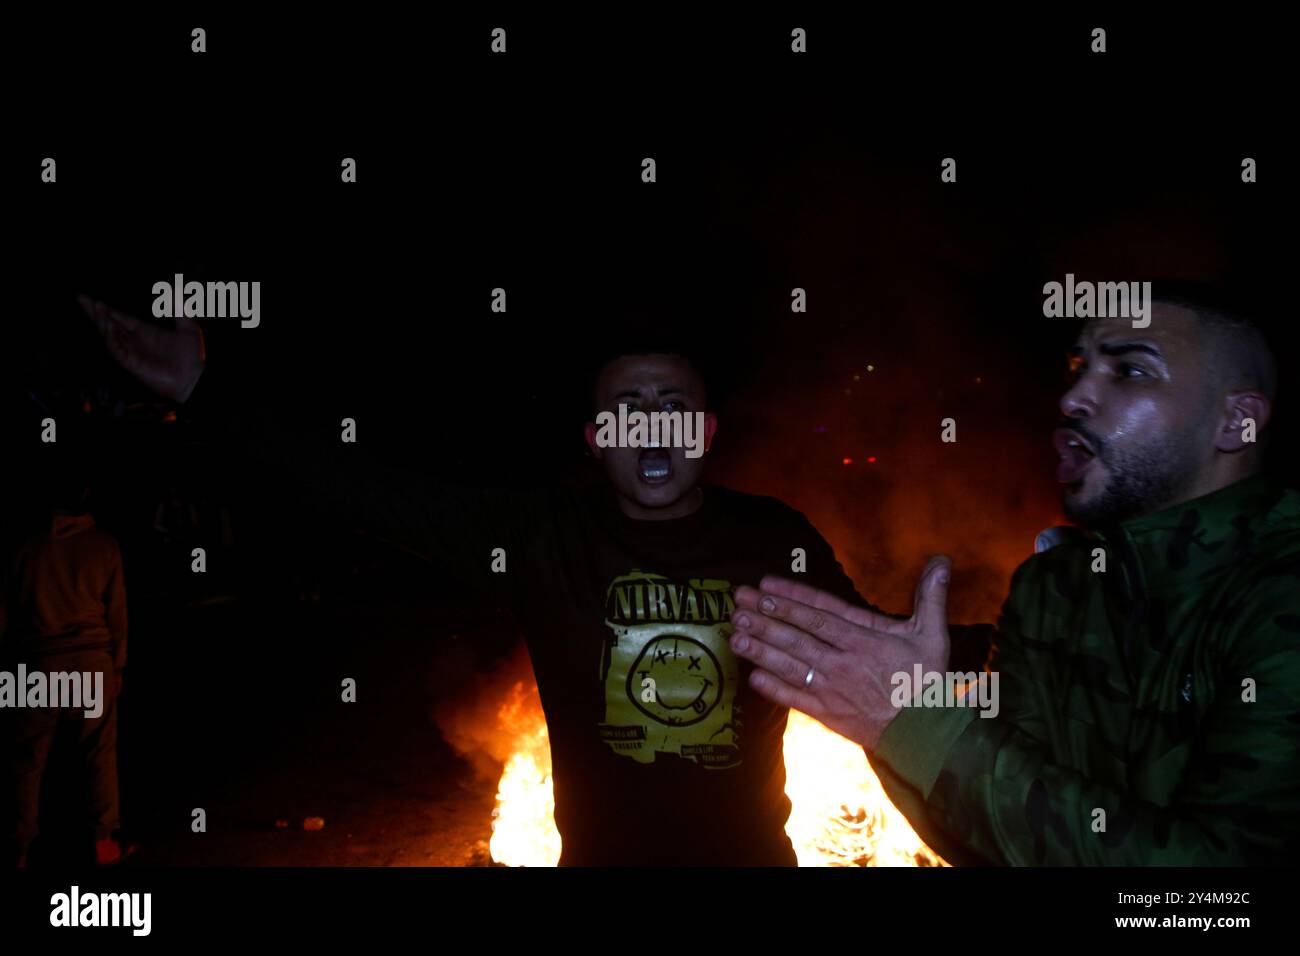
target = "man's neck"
x: 687, y: 504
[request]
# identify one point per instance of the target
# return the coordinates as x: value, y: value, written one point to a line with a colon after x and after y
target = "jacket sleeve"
x: 990, y: 783
x: 309, y: 467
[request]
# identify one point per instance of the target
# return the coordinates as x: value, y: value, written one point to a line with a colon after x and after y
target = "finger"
x: 127, y: 322
x: 930, y: 611
x: 117, y: 337
x: 88, y: 304
x: 97, y: 312
x: 779, y: 692
x: 789, y: 623
x: 786, y: 637
x: 815, y: 597
x: 790, y: 669
x: 188, y: 325
x: 805, y: 594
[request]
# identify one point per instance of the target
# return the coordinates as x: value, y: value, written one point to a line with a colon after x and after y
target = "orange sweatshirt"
x: 66, y: 592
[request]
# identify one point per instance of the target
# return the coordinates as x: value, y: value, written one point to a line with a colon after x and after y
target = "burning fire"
x: 841, y: 816
x: 523, y: 823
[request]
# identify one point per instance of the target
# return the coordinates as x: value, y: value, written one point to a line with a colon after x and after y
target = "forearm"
x: 307, y: 466
x: 996, y: 790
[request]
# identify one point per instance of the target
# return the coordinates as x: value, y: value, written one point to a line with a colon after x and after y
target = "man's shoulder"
x: 754, y: 508
x: 1058, y: 571
x: 1279, y: 536
x: 1266, y: 568
x: 1056, y: 550
x: 103, y: 539
x: 1264, y: 588
x: 94, y: 543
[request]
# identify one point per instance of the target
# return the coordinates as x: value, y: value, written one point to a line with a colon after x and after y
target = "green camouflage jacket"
x: 1163, y: 691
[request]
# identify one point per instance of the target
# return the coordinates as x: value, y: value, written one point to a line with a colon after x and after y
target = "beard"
x: 1139, y: 481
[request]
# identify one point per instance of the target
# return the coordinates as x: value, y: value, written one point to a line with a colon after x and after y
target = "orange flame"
x: 840, y: 816
x: 523, y: 823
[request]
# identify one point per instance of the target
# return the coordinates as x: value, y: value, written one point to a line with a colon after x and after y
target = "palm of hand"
x: 167, y: 361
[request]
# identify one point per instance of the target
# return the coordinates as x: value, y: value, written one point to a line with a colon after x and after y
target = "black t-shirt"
x: 661, y: 752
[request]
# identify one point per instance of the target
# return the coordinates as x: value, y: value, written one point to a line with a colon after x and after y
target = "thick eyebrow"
x: 1122, y: 348
x: 668, y: 390
x: 1118, y: 348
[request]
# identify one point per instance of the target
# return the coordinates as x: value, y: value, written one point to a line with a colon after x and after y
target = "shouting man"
x: 662, y: 753
x: 1149, y: 666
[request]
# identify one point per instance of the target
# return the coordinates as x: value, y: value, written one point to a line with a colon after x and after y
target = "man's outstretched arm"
x: 991, y: 783
x: 456, y: 528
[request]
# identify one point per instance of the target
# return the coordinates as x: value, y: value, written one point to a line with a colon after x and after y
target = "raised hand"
x: 834, y: 661
x: 166, y: 361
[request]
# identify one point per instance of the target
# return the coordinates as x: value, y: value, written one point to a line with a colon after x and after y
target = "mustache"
x: 1094, y: 441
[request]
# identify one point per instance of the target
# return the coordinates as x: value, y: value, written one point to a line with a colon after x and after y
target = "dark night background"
x: 772, y: 173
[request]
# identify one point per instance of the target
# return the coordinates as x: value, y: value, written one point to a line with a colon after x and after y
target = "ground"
x: 239, y: 712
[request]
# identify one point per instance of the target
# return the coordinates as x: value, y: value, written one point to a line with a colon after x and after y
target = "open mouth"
x: 1076, y: 455
x: 655, y: 466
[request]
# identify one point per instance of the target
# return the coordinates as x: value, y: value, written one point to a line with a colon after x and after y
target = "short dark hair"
x: 652, y: 325
x: 1246, y: 334
x: 1239, y: 343
x: 648, y: 347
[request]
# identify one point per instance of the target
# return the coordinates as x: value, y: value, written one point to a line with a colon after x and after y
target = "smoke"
x: 842, y: 409
x: 484, y: 716
x: 980, y: 500
x: 923, y: 306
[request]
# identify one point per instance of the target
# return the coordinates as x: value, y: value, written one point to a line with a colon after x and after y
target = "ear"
x: 589, y: 433
x: 1233, y: 435
x: 710, y: 429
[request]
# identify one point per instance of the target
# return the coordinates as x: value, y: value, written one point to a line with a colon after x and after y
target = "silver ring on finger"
x: 807, y: 681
